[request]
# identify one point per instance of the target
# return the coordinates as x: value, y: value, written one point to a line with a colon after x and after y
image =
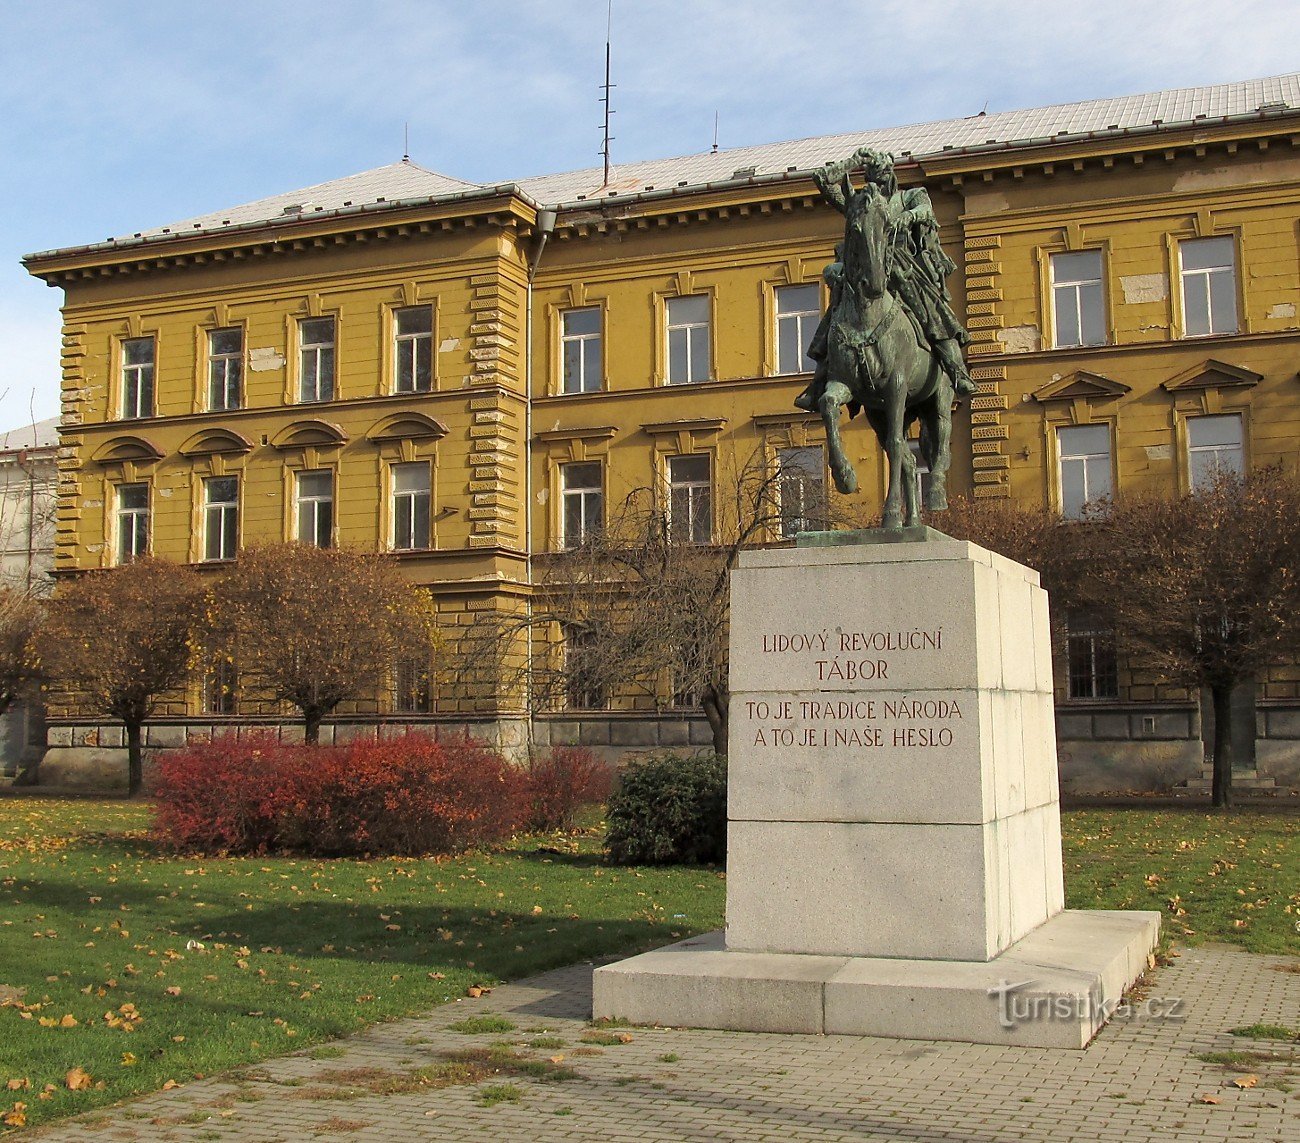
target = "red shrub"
x: 561, y: 781
x: 403, y: 796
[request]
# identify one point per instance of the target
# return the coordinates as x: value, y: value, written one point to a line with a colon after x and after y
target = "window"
x: 137, y: 377
x: 413, y: 336
x: 225, y: 368
x: 1077, y: 315
x: 690, y: 501
x: 798, y: 310
x: 132, y: 522
x: 412, y: 687
x: 316, y: 508
x: 582, y: 502
x: 410, y: 506
x: 220, y: 681
x: 1085, y: 473
x: 1213, y: 449
x: 220, y: 517
x: 1209, y: 274
x: 688, y: 339
x: 580, y: 350
x: 801, y: 487
x: 584, y: 686
x: 316, y: 359
x: 1091, y: 660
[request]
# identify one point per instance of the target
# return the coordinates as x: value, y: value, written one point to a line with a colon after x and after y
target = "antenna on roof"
x: 607, y: 137
x: 715, y: 134
x: 406, y: 142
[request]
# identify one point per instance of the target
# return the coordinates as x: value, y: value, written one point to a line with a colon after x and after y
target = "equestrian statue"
x: 889, y: 342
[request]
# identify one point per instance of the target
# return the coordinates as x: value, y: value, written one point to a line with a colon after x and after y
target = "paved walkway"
x: 1139, y: 1080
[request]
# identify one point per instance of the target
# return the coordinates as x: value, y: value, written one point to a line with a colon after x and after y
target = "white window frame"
x: 589, y: 376
x: 1206, y: 276
x: 587, y: 499
x: 1068, y: 295
x: 225, y: 371
x: 316, y: 383
x: 404, y: 535
x: 1214, y: 453
x: 801, y: 490
x: 131, y: 524
x: 406, y: 374
x: 697, y: 500
x: 1091, y: 464
x: 138, y: 379
x: 220, y: 522
x: 805, y: 325
x: 688, y: 332
x: 309, y: 508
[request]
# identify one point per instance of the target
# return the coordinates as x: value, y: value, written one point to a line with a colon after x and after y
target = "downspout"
x: 544, y: 226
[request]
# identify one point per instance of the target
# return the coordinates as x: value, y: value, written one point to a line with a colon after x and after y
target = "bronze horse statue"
x: 876, y: 359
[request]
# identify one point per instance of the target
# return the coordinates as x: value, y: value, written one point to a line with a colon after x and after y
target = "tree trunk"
x: 715, y: 710
x: 311, y: 725
x: 1221, y: 694
x: 134, y: 758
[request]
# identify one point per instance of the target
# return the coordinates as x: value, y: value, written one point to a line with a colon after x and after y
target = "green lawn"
x: 93, y: 918
x: 1223, y: 877
x: 95, y: 922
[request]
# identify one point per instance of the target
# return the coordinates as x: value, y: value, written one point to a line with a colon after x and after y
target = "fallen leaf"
x: 19, y: 1084
x: 172, y: 990
x: 77, y: 1079
x: 17, y: 1117
x: 170, y: 1084
x: 68, y: 1021
x: 1245, y: 1081
x: 557, y: 1059
x: 1206, y: 1097
x: 625, y: 1037
x: 128, y: 1059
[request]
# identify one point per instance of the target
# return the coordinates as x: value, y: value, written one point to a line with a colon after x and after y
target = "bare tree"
x: 1035, y: 537
x: 116, y: 640
x: 643, y: 604
x: 315, y: 627
x: 21, y: 611
x: 1205, y: 589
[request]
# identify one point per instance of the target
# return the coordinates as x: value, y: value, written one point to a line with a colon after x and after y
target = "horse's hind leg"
x: 835, y: 395
x: 936, y: 441
x: 895, y: 446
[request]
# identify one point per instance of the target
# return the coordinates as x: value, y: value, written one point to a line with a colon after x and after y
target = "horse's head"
x: 869, y: 221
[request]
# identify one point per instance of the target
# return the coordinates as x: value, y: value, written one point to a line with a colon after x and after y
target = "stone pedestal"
x: 894, y: 848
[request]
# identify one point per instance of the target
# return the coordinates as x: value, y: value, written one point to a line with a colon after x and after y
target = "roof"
x: 407, y: 183
x: 41, y: 435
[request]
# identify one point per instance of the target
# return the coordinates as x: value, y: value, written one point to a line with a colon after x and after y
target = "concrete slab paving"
x: 1140, y: 1078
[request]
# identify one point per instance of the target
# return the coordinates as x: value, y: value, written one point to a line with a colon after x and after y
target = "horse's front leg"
x: 834, y: 396
x: 895, y: 448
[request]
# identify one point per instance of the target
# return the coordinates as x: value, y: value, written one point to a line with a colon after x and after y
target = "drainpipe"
x: 544, y: 227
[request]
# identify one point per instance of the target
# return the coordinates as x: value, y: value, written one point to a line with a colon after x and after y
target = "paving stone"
x: 1138, y: 1080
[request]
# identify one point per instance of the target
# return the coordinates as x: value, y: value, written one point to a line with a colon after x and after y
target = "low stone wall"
x: 1106, y: 749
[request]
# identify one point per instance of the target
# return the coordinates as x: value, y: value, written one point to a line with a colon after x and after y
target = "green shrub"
x: 669, y: 809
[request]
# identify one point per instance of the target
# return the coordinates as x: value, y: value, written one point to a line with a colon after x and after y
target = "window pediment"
x: 406, y: 427
x: 1081, y: 385
x: 1212, y: 374
x: 128, y: 449
x: 216, y: 442
x: 308, y: 434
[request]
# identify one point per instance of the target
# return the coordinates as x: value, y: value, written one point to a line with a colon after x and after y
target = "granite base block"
x: 1054, y: 988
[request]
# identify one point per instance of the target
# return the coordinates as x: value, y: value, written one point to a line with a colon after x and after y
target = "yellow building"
x: 468, y: 376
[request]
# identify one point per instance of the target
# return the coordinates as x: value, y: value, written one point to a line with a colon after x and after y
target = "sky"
x: 125, y: 114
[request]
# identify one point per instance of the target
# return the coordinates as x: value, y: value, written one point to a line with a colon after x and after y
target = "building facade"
x: 469, y: 376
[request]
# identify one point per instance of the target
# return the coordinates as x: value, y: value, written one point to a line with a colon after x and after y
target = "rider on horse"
x: 918, y: 269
